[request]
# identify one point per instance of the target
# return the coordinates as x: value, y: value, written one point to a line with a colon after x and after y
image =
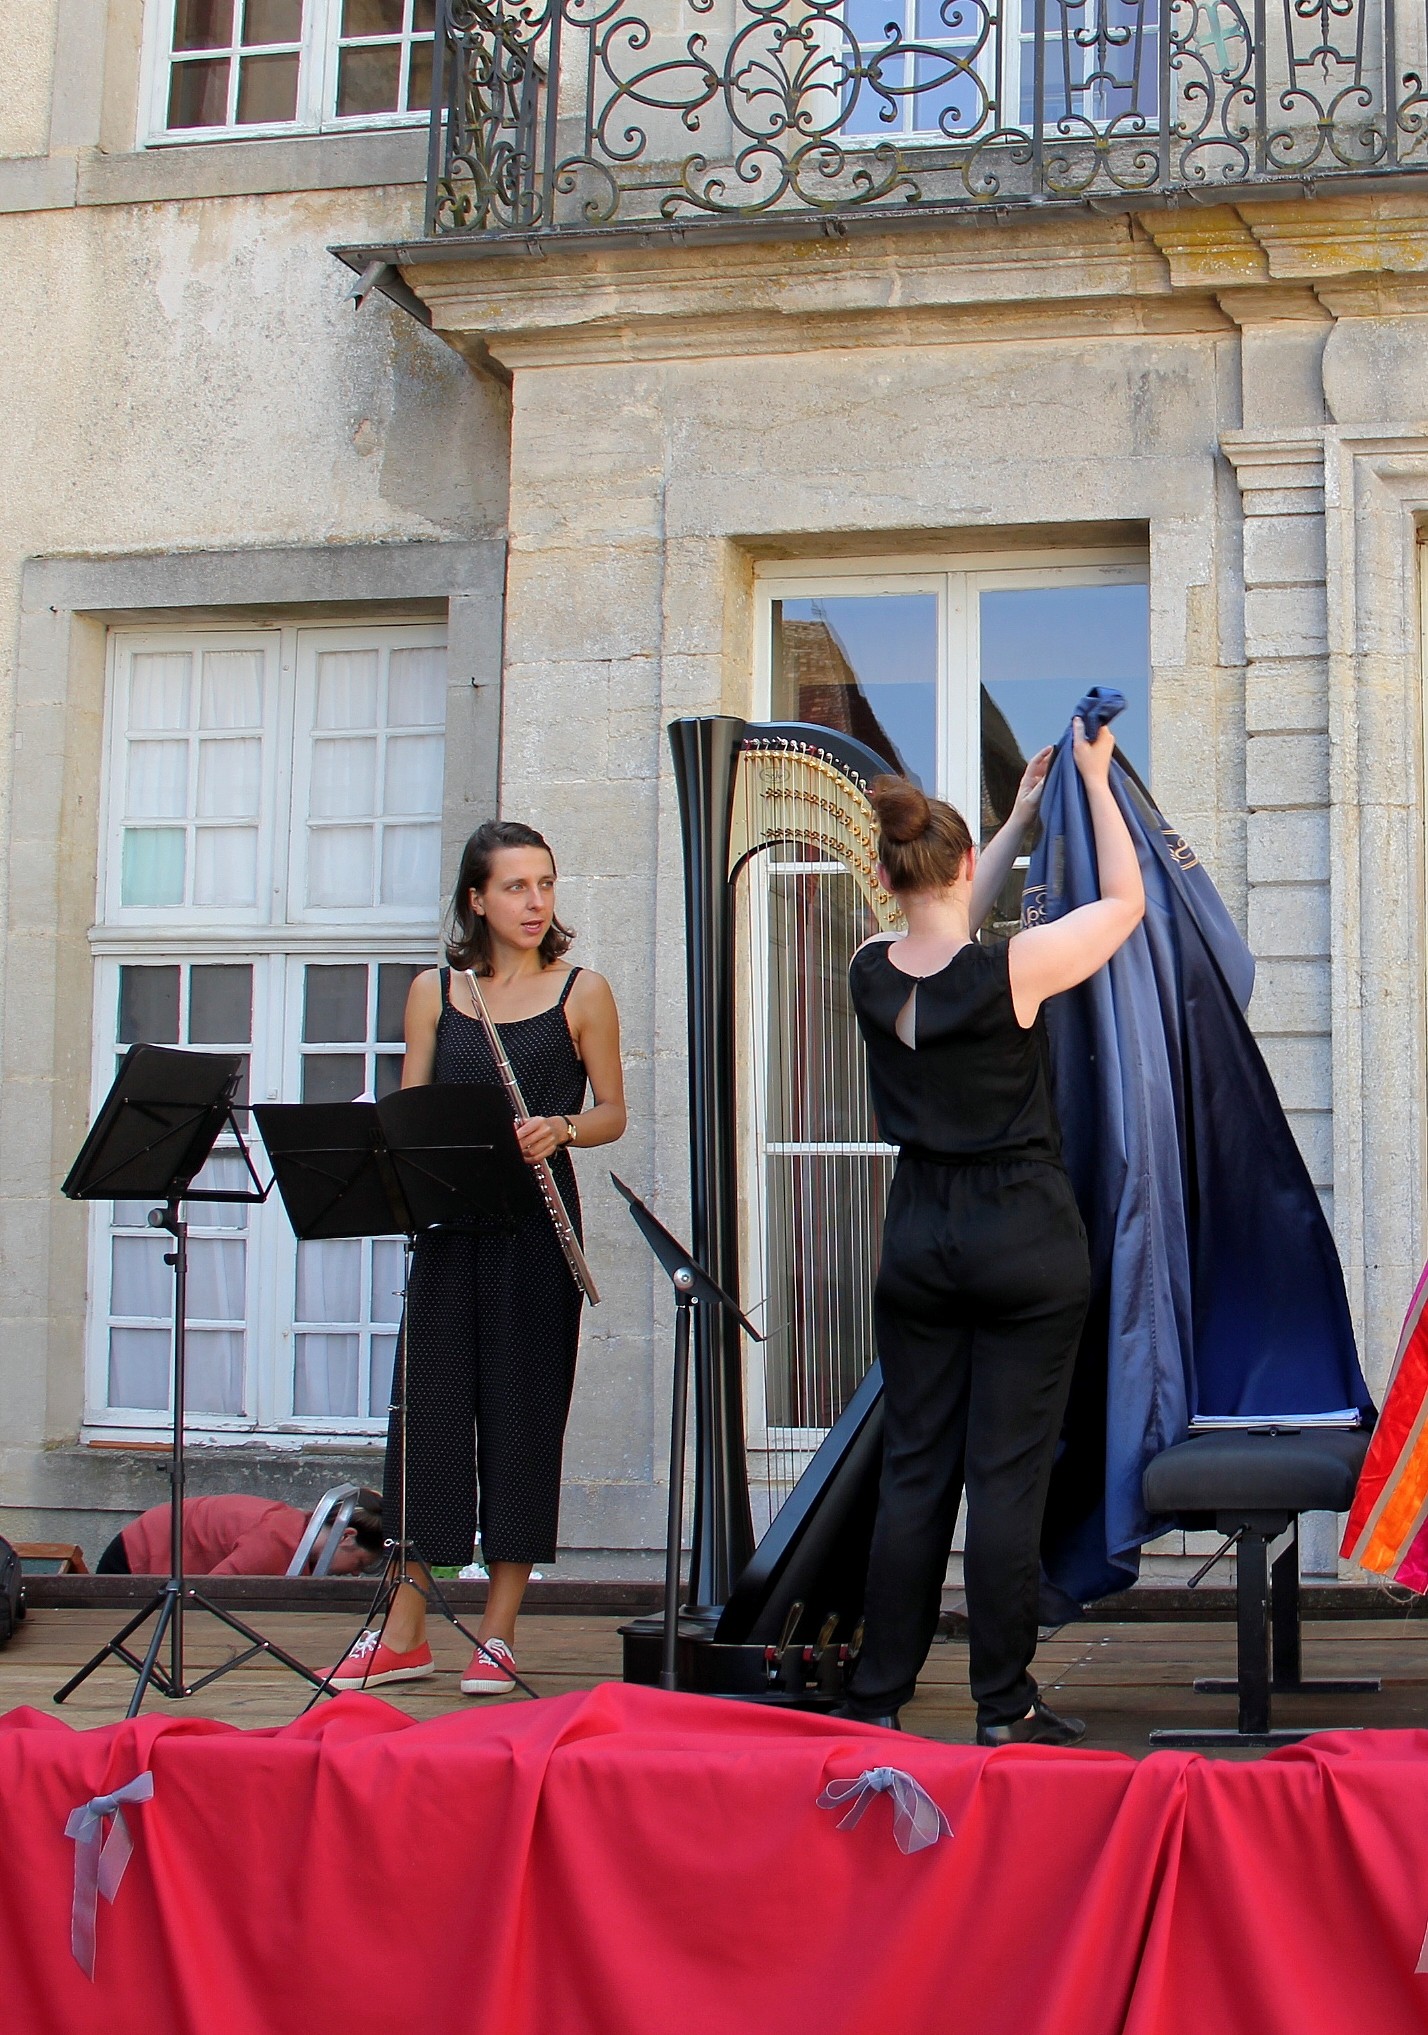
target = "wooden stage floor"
x: 1123, y: 1679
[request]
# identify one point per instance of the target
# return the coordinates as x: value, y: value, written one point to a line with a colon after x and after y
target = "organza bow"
x: 99, y: 1866
x: 917, y: 1820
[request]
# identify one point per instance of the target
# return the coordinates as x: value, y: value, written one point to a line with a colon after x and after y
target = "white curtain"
x: 329, y: 1281
x: 339, y: 865
x: 347, y: 689
x: 379, y: 1382
x: 230, y: 775
x: 232, y: 689
x: 325, y: 1376
x: 139, y: 1360
x: 413, y: 775
x: 158, y: 689
x: 214, y: 1381
x: 217, y: 1268
x: 386, y: 1280
x: 156, y: 786
x: 411, y: 865
x: 416, y: 688
x: 142, y: 1285
x: 344, y: 777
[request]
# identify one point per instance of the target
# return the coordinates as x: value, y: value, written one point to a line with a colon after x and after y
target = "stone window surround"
x: 68, y: 606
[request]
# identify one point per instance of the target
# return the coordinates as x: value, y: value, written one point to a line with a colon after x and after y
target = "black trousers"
x: 490, y: 1339
x: 980, y: 1298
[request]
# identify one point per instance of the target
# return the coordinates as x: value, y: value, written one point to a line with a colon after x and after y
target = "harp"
x: 788, y: 1179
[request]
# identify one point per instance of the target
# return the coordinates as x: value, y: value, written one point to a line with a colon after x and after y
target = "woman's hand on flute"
x: 540, y: 1136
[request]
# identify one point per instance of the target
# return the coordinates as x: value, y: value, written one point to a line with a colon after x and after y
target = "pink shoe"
x: 371, y: 1662
x: 492, y: 1670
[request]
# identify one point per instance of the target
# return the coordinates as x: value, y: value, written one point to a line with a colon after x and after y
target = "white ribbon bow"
x: 99, y: 1867
x: 917, y: 1820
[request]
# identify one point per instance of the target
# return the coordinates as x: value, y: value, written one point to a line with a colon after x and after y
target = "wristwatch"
x: 574, y: 1135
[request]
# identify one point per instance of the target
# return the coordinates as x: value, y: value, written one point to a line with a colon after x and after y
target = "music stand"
x: 442, y: 1156
x: 690, y: 1282
x: 151, y: 1138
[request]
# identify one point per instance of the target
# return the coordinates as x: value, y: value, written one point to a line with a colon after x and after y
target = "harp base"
x: 795, y: 1679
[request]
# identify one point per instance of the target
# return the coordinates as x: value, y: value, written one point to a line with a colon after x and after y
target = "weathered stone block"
x: 1289, y: 921
x: 1288, y: 847
x: 1287, y: 770
x: 1291, y: 997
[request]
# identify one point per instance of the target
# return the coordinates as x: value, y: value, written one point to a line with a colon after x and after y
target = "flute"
x: 550, y: 1193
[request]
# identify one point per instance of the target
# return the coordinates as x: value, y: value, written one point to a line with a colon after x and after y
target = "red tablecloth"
x: 625, y: 1862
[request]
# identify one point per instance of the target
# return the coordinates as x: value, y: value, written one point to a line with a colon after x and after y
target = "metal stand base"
x: 1288, y: 1735
x: 167, y: 1607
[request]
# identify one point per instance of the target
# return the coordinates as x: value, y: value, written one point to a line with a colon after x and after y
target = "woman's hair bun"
x: 903, y: 811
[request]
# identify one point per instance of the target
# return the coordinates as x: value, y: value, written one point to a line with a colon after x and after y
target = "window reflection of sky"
x: 890, y: 644
x: 1043, y: 647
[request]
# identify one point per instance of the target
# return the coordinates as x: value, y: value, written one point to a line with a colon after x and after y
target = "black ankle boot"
x: 1043, y: 1727
x: 887, y: 1719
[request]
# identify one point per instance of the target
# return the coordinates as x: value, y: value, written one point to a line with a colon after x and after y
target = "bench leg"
x: 1252, y: 1616
x: 1288, y: 1678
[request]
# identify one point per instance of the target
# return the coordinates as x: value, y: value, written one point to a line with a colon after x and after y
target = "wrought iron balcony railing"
x: 558, y: 114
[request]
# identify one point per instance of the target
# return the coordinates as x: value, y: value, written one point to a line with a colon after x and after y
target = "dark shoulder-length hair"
x: 468, y: 939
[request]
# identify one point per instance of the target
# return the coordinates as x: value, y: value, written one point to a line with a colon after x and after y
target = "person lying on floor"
x: 236, y: 1536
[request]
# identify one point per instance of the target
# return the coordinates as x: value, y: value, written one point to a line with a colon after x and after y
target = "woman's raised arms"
x: 1044, y: 960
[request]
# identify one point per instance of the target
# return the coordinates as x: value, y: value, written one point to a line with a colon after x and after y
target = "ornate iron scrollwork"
x: 568, y: 113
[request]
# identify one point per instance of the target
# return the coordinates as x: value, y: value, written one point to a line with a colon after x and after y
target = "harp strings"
x: 812, y: 1184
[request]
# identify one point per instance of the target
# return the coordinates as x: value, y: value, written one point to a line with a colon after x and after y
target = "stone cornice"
x: 1184, y: 269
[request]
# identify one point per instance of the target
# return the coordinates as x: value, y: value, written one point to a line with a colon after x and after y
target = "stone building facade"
x: 593, y: 475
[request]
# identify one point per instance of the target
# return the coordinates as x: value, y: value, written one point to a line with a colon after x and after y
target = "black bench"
x: 1251, y: 1485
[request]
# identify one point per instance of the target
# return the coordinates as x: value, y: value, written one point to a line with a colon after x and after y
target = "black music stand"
x: 690, y: 1282
x: 442, y: 1156
x: 151, y: 1138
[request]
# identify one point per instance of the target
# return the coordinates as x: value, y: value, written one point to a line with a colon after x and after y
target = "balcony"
x: 598, y: 117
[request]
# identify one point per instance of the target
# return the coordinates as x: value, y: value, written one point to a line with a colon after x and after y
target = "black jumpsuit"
x: 978, y: 1309
x: 492, y: 1325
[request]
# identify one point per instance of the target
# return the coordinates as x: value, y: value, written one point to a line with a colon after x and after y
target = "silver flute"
x: 550, y: 1194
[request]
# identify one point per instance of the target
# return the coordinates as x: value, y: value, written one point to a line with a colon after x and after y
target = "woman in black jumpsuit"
x: 984, y: 1280
x: 493, y: 1317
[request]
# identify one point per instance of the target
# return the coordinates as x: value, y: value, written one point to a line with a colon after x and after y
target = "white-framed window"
x: 225, y: 68
x: 954, y: 671
x: 269, y: 885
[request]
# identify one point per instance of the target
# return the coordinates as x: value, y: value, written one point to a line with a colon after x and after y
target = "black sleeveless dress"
x: 492, y: 1327
x: 980, y: 1299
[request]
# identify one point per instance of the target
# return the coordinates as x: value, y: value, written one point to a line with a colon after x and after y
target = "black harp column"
x: 706, y: 754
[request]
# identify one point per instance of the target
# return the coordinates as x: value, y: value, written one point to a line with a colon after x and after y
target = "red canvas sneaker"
x: 492, y: 1670
x: 370, y: 1662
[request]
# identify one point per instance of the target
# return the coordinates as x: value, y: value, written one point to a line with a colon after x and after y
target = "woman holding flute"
x: 493, y: 1315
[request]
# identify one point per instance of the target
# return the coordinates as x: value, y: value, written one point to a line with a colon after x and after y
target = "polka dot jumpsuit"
x: 492, y: 1325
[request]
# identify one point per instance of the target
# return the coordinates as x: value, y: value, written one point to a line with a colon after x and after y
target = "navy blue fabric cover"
x: 1216, y: 1286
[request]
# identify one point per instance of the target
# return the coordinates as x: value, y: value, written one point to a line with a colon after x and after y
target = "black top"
x: 976, y: 1085
x: 543, y: 1059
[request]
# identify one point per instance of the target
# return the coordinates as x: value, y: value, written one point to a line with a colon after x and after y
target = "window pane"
x: 232, y: 690
x: 272, y: 21
x: 334, y: 1003
x: 220, y: 1005
x: 148, y: 1006
x: 214, y: 1370
x: 221, y: 1172
x: 267, y: 89
x: 368, y: 75
x: 139, y: 1367
x: 424, y: 15
x: 386, y: 1280
x: 203, y: 24
x: 158, y: 690
x: 344, y: 778
x: 329, y: 1281
x: 388, y: 1075
x: 229, y: 776
x: 371, y: 17
x: 198, y: 94
x: 142, y: 1283
x: 384, y: 1352
x: 413, y: 775
x: 225, y: 866
x: 347, y: 689
x: 416, y: 689
x: 325, y: 1378
x: 394, y: 980
x: 419, y: 78
x: 866, y: 664
x: 411, y: 865
x: 333, y: 1077
x: 1041, y: 647
x: 157, y: 787
x: 339, y: 866
x: 216, y: 1272
x: 152, y: 866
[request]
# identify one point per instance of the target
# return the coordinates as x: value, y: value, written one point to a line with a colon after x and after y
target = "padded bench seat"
x: 1252, y: 1484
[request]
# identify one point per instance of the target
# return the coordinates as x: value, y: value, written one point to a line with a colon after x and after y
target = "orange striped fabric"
x: 1388, y: 1524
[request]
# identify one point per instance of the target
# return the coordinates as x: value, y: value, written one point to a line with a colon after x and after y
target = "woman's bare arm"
x: 595, y: 1027
x: 1047, y: 959
x: 994, y: 865
x: 423, y: 1010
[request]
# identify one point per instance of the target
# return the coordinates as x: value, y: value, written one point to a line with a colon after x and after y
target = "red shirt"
x: 221, y: 1537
